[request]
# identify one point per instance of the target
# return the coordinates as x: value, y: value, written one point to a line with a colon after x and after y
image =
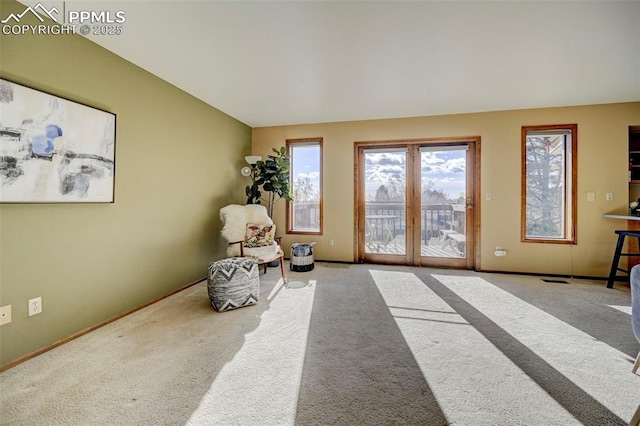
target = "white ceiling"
x: 283, y: 62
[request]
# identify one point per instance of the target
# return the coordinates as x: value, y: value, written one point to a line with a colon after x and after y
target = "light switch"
x: 591, y: 196
x: 487, y: 196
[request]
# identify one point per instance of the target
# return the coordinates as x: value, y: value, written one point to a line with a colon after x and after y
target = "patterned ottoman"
x: 233, y: 283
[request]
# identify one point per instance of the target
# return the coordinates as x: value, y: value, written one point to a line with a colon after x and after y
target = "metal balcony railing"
x: 434, y: 218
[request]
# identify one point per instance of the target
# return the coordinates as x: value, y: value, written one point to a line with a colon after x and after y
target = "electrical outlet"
x: 5, y: 315
x: 591, y: 196
x: 35, y: 306
x: 609, y: 196
x: 500, y: 252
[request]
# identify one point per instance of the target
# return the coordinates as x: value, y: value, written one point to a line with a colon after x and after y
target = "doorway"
x: 416, y: 202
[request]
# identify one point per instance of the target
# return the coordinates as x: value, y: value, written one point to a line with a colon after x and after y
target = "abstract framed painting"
x: 53, y: 150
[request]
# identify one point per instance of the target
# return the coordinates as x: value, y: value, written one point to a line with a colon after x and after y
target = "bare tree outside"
x: 394, y: 190
x: 431, y: 195
x: 304, y: 192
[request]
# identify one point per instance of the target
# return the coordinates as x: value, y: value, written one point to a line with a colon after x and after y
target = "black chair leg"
x: 616, y: 261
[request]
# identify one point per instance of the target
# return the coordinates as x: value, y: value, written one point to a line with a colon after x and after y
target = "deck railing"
x: 306, y: 215
x: 434, y: 218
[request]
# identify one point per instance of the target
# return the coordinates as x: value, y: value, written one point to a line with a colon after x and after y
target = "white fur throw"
x: 234, y: 219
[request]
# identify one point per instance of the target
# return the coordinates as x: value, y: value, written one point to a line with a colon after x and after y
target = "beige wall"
x: 177, y: 163
x: 602, y: 167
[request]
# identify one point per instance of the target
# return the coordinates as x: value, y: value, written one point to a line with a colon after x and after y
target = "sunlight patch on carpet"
x: 600, y: 370
x: 625, y: 309
x: 459, y: 363
x: 260, y: 385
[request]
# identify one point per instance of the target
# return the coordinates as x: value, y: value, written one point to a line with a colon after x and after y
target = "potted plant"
x: 272, y: 177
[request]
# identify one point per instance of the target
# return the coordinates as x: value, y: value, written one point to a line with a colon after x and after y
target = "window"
x: 549, y: 183
x: 304, y: 213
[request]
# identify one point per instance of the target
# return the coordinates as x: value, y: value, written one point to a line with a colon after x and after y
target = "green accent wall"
x: 177, y: 164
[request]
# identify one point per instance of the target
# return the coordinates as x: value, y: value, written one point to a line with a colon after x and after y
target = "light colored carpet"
x: 347, y: 345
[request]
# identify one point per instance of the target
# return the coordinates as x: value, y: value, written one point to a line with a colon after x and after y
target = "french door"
x: 415, y: 202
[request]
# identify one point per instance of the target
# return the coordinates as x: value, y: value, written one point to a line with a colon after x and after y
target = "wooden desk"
x: 622, y: 213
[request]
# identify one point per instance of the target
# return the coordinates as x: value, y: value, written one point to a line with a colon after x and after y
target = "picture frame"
x: 54, y: 150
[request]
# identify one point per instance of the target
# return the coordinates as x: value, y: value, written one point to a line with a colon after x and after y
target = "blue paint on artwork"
x: 53, y: 131
x: 44, y: 144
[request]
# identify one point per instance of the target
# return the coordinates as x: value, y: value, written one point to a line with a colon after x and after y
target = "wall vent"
x: 548, y: 280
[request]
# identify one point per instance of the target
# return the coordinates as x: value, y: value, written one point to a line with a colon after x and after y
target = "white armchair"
x: 250, y: 232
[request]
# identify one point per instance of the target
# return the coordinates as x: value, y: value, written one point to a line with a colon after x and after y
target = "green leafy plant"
x: 272, y: 177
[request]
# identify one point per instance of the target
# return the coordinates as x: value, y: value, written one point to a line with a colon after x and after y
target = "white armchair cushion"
x: 264, y: 254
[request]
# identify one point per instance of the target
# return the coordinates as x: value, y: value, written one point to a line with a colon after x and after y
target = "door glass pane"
x: 385, y: 203
x: 443, y: 202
